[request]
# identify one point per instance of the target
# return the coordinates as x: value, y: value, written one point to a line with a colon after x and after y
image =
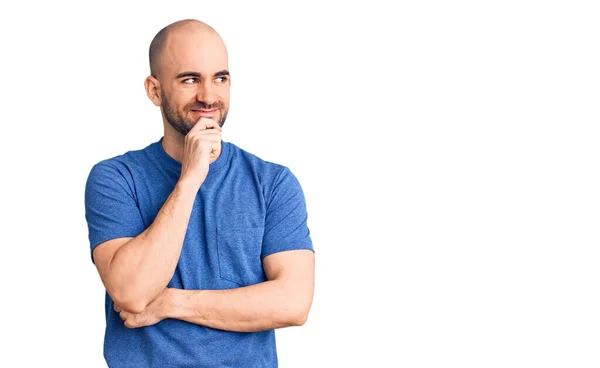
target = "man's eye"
x: 220, y: 79
x: 190, y: 80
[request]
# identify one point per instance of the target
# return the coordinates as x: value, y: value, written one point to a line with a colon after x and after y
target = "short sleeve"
x: 286, y: 217
x: 111, y: 210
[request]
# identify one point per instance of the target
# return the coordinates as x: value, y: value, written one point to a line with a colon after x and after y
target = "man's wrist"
x: 187, y: 186
x: 171, y: 302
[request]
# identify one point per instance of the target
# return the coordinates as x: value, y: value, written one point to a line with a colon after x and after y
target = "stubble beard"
x: 180, y: 123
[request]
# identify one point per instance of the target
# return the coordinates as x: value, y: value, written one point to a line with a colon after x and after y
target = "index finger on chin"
x: 206, y: 123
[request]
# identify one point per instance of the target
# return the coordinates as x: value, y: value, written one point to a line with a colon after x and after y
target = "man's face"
x: 194, y: 80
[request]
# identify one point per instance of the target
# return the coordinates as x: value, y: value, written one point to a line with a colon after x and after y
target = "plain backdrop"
x: 448, y: 151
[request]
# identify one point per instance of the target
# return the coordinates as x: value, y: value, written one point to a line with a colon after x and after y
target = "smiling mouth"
x: 205, y: 112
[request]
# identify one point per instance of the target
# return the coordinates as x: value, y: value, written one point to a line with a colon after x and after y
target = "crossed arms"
x: 136, y: 272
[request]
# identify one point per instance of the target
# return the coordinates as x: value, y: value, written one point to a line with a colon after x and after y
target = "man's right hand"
x: 202, y: 146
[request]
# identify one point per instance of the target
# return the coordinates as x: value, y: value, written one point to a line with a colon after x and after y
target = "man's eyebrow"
x: 188, y: 74
x: 222, y: 73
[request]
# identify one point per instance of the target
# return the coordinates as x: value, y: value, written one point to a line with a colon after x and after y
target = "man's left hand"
x: 152, y: 314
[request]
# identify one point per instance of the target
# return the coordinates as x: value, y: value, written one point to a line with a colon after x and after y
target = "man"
x: 203, y: 248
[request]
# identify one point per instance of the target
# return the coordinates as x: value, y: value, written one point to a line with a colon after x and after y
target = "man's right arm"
x: 136, y: 270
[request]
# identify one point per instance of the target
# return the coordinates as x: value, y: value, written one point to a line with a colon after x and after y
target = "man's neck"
x: 173, y: 145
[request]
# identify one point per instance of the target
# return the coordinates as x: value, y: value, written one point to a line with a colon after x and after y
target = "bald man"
x: 203, y: 248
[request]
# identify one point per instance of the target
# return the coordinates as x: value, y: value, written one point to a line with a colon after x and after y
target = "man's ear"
x: 152, y: 86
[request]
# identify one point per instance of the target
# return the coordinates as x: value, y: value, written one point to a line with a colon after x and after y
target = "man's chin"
x: 181, y: 128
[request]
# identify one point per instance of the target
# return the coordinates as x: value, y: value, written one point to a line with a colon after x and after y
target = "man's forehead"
x: 205, y: 55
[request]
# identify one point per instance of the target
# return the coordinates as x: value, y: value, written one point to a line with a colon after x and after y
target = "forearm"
x: 259, y: 307
x: 142, y: 267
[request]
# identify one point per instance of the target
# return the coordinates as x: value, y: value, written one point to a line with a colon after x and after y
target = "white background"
x: 448, y: 152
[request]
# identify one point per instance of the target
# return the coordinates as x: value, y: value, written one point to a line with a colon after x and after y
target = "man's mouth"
x: 205, y: 112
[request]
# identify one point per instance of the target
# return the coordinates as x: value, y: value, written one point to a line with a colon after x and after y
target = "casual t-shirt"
x: 245, y: 210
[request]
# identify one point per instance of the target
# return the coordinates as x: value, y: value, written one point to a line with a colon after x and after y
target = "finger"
x: 213, y: 141
x: 215, y: 147
x: 211, y: 134
x: 123, y: 315
x: 134, y: 322
x: 204, y: 124
x: 116, y: 308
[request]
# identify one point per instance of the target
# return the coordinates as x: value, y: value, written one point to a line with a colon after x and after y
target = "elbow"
x: 299, y: 319
x: 130, y: 298
x: 128, y: 303
x: 298, y: 315
x: 298, y: 308
x: 133, y: 307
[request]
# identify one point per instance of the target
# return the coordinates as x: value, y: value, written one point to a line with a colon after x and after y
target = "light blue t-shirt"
x: 245, y: 210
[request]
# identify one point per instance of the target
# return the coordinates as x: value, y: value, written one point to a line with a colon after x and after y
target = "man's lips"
x: 205, y: 112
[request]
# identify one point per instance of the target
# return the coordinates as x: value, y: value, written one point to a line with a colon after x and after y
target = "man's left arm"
x: 283, y: 300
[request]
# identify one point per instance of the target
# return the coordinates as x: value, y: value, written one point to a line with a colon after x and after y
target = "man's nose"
x: 206, y: 93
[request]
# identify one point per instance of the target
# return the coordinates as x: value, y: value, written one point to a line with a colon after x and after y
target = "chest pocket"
x: 239, y: 255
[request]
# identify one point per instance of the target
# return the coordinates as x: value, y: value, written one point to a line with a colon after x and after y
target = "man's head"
x: 189, y: 74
